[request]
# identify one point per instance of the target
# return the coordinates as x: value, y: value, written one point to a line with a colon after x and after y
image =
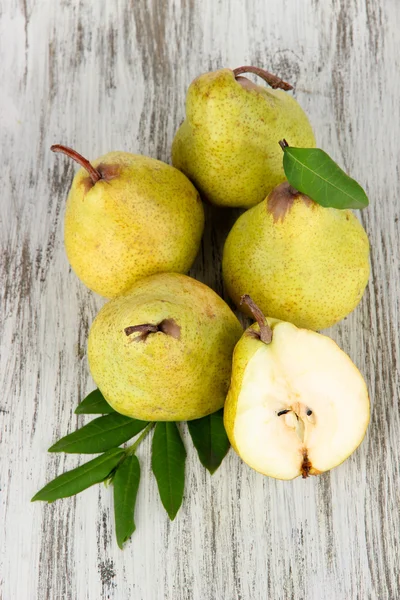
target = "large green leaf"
x: 314, y: 173
x: 79, y: 479
x: 210, y: 439
x: 126, y: 485
x: 94, y: 404
x: 168, y: 464
x: 100, y: 435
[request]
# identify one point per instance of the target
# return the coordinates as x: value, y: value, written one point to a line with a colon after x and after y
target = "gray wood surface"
x: 103, y: 76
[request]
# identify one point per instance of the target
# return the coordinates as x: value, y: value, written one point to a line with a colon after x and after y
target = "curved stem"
x: 146, y: 328
x: 167, y: 326
x: 265, y: 329
x: 132, y: 449
x: 94, y: 173
x: 272, y: 80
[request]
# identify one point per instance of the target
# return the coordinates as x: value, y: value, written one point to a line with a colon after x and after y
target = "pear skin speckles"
x: 163, y: 351
x: 228, y: 144
x: 309, y: 267
x: 143, y: 217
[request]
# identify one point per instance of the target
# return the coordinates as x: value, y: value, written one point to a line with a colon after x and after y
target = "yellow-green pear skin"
x: 228, y: 144
x: 300, y: 262
x: 178, y: 371
x: 244, y: 351
x: 143, y: 217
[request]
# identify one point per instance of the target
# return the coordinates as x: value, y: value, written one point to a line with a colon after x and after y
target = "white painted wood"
x: 112, y: 75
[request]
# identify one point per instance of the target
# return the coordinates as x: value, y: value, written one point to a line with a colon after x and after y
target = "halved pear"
x: 297, y: 404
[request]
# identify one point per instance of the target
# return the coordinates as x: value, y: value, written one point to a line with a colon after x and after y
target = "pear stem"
x: 146, y: 328
x: 167, y: 326
x: 265, y: 329
x: 272, y: 80
x: 95, y: 175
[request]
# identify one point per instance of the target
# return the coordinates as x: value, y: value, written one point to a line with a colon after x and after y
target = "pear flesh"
x: 127, y: 217
x: 228, y: 144
x: 163, y: 351
x: 296, y: 406
x: 299, y: 261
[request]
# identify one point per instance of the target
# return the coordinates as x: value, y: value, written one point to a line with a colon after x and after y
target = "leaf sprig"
x: 312, y: 172
x: 120, y: 466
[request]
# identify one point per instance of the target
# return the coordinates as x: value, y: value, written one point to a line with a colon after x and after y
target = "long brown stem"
x: 265, y: 329
x: 272, y: 80
x: 94, y: 173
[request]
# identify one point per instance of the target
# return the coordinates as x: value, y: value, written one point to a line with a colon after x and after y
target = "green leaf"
x: 79, y: 479
x: 168, y: 464
x: 100, y: 435
x: 94, y: 404
x: 126, y: 485
x: 314, y: 173
x: 210, y: 439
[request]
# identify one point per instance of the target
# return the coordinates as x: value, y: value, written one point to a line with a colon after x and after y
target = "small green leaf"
x: 126, y: 485
x: 168, y: 464
x: 79, y: 479
x: 100, y: 435
x: 210, y: 439
x: 94, y: 404
x: 314, y: 173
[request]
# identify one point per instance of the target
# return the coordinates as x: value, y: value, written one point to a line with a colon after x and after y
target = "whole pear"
x: 297, y: 404
x: 163, y: 351
x: 299, y: 261
x: 127, y: 217
x: 228, y: 143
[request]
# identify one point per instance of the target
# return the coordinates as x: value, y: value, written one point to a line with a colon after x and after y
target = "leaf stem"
x: 283, y: 144
x: 132, y: 449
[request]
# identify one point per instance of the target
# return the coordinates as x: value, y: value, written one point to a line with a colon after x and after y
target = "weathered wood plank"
x: 102, y: 76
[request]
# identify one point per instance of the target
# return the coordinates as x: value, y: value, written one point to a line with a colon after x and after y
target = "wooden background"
x: 103, y: 76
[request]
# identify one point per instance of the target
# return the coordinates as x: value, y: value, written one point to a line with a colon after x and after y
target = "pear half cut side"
x: 297, y: 406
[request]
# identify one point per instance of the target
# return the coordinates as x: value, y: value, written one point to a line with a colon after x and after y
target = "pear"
x: 297, y: 404
x: 299, y: 261
x: 228, y: 144
x: 163, y: 351
x: 127, y: 217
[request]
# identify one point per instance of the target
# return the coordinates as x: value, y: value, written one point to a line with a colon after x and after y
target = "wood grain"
x: 112, y: 75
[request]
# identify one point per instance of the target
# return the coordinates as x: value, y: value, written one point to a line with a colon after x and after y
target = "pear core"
x: 297, y: 406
